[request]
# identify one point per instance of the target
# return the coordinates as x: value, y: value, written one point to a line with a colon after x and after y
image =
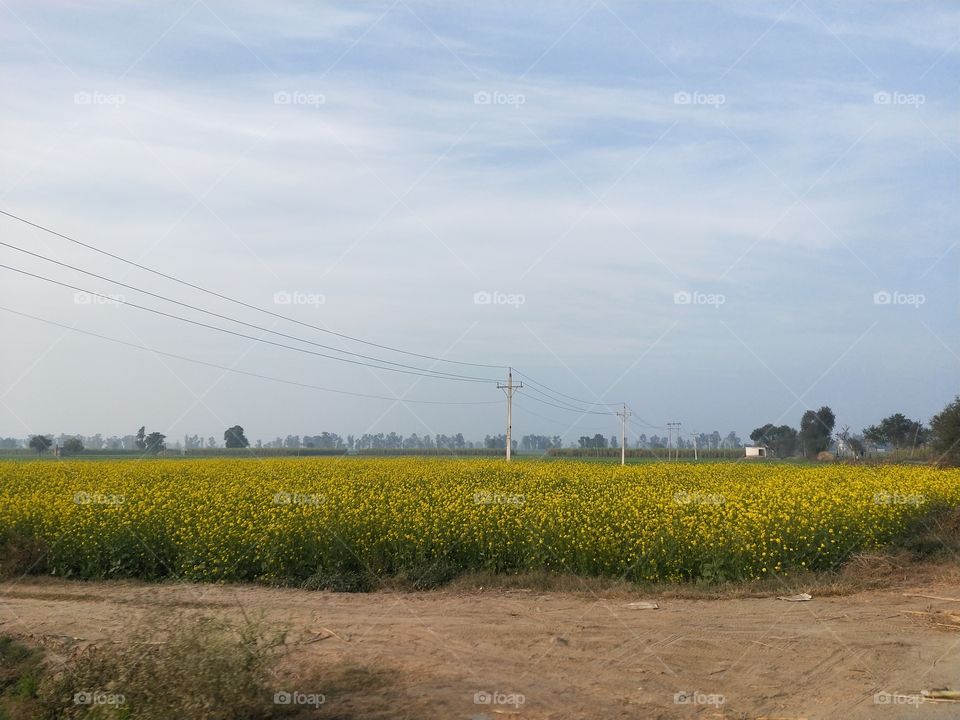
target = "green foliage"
x: 898, y: 431
x: 782, y: 439
x: 40, y: 443
x: 73, y: 445
x: 816, y: 431
x: 234, y: 438
x: 945, y: 429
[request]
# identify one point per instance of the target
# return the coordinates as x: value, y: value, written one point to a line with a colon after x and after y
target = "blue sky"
x: 790, y: 168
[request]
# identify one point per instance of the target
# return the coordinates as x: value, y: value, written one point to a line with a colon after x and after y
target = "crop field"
x: 290, y: 520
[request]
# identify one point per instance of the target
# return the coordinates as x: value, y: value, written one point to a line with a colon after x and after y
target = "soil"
x: 537, y: 654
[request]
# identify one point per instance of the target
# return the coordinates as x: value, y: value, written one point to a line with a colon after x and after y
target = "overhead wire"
x: 241, y: 372
x: 228, y: 298
x: 227, y: 317
x: 238, y: 334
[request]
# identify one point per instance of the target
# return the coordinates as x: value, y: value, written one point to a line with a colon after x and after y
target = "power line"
x: 239, y: 302
x: 464, y: 378
x: 242, y: 372
x: 271, y: 313
x: 226, y: 317
x: 565, y: 407
x: 569, y: 397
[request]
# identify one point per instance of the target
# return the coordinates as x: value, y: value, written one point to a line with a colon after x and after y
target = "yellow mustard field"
x: 287, y: 520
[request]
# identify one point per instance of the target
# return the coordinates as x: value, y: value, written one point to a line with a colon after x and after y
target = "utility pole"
x: 508, y: 389
x: 623, y: 415
x: 670, y: 427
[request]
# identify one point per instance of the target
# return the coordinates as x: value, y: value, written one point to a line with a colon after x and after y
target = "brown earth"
x: 569, y: 654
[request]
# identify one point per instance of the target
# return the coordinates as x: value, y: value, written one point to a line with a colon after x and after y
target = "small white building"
x: 755, y: 451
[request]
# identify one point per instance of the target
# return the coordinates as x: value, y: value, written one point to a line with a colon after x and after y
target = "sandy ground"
x: 567, y: 655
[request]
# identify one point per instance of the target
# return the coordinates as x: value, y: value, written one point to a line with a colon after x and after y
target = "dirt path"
x: 568, y: 655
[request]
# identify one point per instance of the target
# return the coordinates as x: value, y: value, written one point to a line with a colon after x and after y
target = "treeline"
x: 662, y: 452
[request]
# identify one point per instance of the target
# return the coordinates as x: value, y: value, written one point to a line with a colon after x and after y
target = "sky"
x: 719, y: 213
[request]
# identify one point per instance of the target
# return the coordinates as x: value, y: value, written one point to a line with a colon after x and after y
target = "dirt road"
x: 525, y: 654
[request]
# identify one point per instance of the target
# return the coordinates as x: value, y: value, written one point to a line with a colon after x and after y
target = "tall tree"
x: 897, y: 430
x: 781, y: 439
x: 142, y: 438
x: 234, y: 438
x: 40, y: 443
x: 816, y: 430
x: 154, y: 443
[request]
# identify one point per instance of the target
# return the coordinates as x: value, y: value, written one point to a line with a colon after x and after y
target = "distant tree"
x: 142, y: 438
x: 816, y: 430
x: 945, y: 429
x: 898, y: 431
x: 40, y: 443
x: 781, y: 439
x: 211, y: 442
x: 73, y: 445
x: 154, y: 443
x: 732, y: 440
x: 234, y: 438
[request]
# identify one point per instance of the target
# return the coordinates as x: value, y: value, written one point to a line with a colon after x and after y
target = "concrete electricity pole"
x: 623, y: 415
x: 508, y: 389
x: 670, y: 427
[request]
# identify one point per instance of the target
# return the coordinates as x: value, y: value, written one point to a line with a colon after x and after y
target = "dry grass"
x: 192, y: 667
